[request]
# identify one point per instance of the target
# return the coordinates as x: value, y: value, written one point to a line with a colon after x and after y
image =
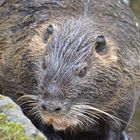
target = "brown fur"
x: 31, y: 76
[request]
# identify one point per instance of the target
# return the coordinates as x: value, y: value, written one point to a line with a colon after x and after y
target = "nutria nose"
x: 51, y: 108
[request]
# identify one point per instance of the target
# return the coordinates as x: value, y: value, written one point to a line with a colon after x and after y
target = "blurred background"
x: 134, y: 130
x: 135, y: 5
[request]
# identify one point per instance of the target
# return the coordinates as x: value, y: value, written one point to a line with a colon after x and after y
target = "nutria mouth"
x: 72, y: 66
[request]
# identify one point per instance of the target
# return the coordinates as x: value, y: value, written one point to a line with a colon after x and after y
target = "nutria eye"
x: 82, y: 72
x: 101, y: 47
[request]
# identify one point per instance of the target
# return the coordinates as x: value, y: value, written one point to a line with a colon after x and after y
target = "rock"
x: 14, y: 125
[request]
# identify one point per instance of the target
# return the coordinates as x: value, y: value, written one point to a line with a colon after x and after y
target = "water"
x: 134, y: 132
x: 135, y: 5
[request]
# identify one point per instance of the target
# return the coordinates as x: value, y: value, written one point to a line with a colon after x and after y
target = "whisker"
x: 88, y: 107
x: 33, y: 97
x: 73, y: 114
x: 97, y: 116
x: 27, y: 103
x: 91, y: 120
x: 85, y: 103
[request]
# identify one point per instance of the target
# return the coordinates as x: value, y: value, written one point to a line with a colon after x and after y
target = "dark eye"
x: 82, y: 72
x: 101, y: 47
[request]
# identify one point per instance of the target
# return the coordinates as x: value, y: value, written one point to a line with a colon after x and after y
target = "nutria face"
x: 77, y: 83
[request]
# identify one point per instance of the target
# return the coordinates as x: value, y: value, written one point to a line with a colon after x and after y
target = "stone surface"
x: 14, y: 125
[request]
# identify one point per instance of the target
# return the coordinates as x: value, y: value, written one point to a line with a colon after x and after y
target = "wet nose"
x: 51, y: 108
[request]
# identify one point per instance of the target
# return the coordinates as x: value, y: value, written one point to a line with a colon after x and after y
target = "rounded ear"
x: 105, y: 50
x: 49, y: 31
x: 101, y: 45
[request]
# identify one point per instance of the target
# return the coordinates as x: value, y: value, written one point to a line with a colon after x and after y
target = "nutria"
x: 72, y: 65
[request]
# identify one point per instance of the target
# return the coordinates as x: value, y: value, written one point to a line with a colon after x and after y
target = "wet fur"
x: 31, y: 60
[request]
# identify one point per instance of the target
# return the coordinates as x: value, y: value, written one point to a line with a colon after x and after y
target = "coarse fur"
x: 72, y: 65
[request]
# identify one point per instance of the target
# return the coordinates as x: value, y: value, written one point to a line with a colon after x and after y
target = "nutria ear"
x: 48, y: 32
x: 100, y: 46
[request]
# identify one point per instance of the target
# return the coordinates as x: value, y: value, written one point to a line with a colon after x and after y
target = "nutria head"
x: 80, y: 77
